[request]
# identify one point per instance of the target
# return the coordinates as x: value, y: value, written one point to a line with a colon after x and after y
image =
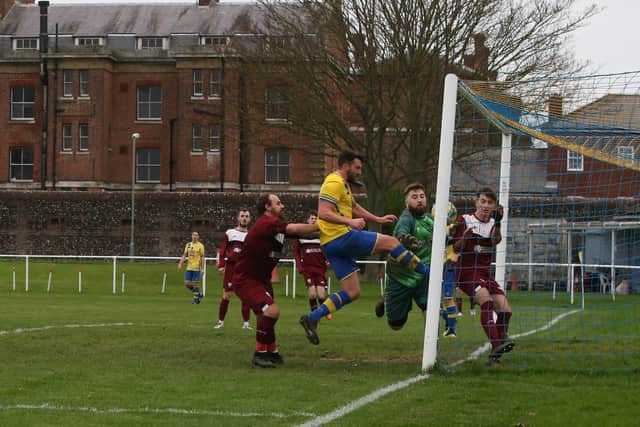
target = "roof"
x: 160, y: 19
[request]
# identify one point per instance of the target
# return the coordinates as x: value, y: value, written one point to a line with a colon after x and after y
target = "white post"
x: 79, y: 281
x: 49, y: 281
x: 122, y: 283
x: 286, y: 282
x: 329, y: 286
x: 553, y: 295
x: 381, y: 279
x: 582, y: 266
x: 115, y: 274
x: 295, y: 279
x: 164, y: 282
x: 569, y: 266
x: 429, y: 352
x: 26, y: 274
x: 612, y: 283
x: 13, y: 278
x: 204, y: 280
x: 530, y: 260
x: 503, y: 199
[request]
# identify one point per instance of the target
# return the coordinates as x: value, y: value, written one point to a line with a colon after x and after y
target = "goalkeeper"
x: 414, y: 230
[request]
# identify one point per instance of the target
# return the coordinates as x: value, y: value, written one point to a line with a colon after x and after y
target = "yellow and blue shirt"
x: 194, y: 252
x: 335, y: 190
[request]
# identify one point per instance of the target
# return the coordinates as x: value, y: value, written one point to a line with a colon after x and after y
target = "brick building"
x: 174, y: 73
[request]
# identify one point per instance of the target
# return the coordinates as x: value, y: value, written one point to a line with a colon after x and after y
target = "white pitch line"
x: 357, y: 404
x: 46, y: 328
x: 147, y: 410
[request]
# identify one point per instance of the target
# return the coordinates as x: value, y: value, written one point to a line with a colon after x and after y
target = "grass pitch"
x: 151, y: 359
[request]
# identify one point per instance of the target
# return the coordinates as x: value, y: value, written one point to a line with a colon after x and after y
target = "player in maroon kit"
x: 227, y: 257
x: 475, y: 238
x: 252, y: 277
x: 312, y: 264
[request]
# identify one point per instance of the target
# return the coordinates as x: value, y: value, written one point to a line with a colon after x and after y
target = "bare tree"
x: 368, y: 74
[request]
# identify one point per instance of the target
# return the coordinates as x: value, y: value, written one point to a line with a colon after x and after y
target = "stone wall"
x: 87, y: 223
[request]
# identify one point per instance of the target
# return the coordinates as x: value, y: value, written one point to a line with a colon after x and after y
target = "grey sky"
x: 610, y: 41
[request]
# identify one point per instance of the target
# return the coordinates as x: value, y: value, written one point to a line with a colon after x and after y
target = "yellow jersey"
x: 194, y: 252
x: 335, y: 190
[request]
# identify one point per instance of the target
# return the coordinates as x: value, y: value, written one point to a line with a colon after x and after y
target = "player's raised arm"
x: 368, y: 216
x: 327, y: 212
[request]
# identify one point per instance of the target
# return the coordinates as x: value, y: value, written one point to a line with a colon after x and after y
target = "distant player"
x: 228, y: 254
x: 343, y: 239
x: 312, y: 264
x: 476, y: 237
x: 194, y: 254
x: 252, y: 277
x: 404, y: 287
x: 450, y: 312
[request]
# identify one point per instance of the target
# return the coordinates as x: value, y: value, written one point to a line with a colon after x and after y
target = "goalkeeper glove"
x: 498, y: 214
x: 410, y: 242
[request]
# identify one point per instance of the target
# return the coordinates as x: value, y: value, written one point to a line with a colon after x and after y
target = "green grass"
x: 583, y: 370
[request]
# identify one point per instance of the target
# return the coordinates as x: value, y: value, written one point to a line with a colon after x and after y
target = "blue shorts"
x: 343, y: 251
x: 192, y: 276
x: 449, y: 283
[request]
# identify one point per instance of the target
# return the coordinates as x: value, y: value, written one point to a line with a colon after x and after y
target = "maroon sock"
x: 486, y: 318
x: 265, y: 330
x: 313, y: 303
x: 245, y: 312
x: 459, y: 304
x: 502, y: 324
x: 224, y: 306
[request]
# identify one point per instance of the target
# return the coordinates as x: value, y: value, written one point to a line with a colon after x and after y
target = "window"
x: 276, y: 103
x: 198, y: 83
x: 575, y: 161
x: 67, y: 83
x: 149, y: 103
x: 215, y: 83
x: 83, y: 137
x: 30, y: 43
x: 276, y: 166
x: 22, y: 102
x: 21, y: 166
x: 84, y: 82
x: 88, y: 41
x: 215, y: 41
x: 150, y: 43
x: 67, y: 138
x: 196, y: 138
x: 148, y: 165
x: 626, y: 152
x: 215, y: 137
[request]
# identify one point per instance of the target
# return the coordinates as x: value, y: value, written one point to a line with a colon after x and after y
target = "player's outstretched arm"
x: 295, y: 229
x: 327, y: 212
x: 368, y: 216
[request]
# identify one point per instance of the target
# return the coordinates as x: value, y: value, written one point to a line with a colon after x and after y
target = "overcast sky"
x: 611, y: 40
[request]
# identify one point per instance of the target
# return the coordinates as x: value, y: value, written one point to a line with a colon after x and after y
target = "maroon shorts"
x: 255, y: 294
x: 314, y: 279
x: 227, y: 282
x: 470, y: 281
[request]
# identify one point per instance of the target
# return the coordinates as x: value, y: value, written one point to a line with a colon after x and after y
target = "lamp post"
x: 132, y: 244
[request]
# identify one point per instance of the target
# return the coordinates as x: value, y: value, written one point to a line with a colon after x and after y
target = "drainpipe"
x: 55, y: 115
x: 172, y: 127
x: 44, y: 79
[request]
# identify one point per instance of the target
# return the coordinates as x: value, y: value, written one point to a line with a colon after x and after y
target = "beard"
x: 418, y: 210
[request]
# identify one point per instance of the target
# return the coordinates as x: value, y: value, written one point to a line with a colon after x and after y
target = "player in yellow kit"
x: 194, y: 254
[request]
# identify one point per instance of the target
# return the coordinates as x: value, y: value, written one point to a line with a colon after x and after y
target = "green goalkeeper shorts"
x: 400, y: 298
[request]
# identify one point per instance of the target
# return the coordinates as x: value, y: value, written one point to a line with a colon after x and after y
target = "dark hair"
x: 488, y: 192
x: 413, y: 186
x: 348, y: 156
x: 312, y: 212
x: 262, y: 202
x: 243, y: 209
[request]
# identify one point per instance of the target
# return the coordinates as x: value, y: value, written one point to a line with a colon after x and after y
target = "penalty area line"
x: 371, y: 397
x: 73, y: 326
x: 147, y: 410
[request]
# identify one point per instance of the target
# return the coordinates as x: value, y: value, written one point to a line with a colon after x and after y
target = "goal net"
x: 563, y: 156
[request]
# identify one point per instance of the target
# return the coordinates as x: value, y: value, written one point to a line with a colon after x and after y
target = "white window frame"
x: 215, y: 138
x: 214, y: 40
x: 271, y: 104
x: 84, y: 86
x: 22, y: 164
x: 141, y: 41
x: 22, y: 103
x: 625, y: 151
x: 279, y: 165
x: 575, y: 161
x: 67, y: 137
x: 197, y: 138
x: 215, y: 83
x: 67, y: 83
x: 149, y: 102
x: 198, y: 83
x: 139, y: 165
x: 18, y: 43
x: 83, y: 137
x: 88, y: 41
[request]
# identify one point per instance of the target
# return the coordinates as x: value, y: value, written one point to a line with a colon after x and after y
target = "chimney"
x: 204, y: 2
x: 555, y: 106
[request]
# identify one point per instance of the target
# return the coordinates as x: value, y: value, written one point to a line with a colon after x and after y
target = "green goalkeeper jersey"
x: 422, y: 229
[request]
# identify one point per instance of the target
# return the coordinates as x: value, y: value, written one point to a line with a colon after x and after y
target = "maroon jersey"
x: 309, y: 256
x: 231, y: 247
x: 262, y: 250
x: 476, y: 254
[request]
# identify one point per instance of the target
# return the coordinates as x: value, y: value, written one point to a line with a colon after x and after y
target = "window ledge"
x: 22, y: 121
x: 148, y: 122
x: 197, y: 97
x: 278, y: 121
x: 84, y: 98
x: 66, y: 152
x: 196, y: 153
